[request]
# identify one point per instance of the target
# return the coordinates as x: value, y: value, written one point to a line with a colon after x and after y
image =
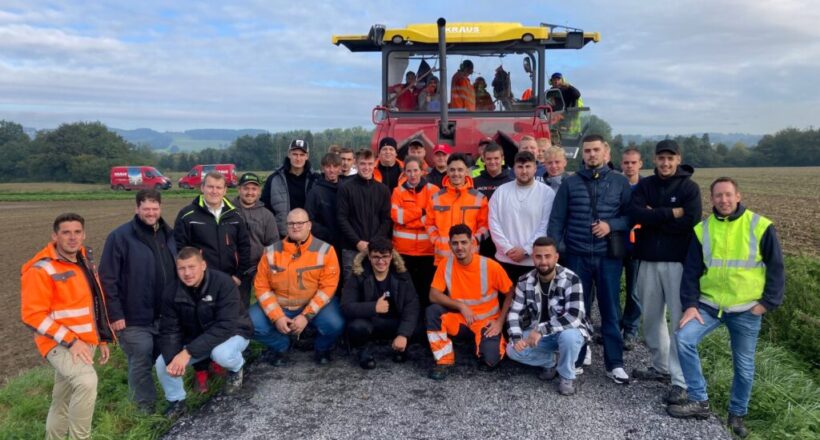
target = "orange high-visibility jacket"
x: 293, y: 276
x: 462, y: 93
x: 477, y: 284
x: 57, y: 301
x: 408, y: 209
x: 377, y: 174
x: 451, y: 206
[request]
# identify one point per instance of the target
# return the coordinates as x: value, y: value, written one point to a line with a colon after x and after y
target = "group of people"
x: 378, y: 249
x: 421, y: 94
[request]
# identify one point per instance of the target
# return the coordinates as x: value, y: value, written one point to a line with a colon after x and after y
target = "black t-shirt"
x: 545, y: 301
x: 296, y: 189
x: 390, y: 175
x: 383, y: 287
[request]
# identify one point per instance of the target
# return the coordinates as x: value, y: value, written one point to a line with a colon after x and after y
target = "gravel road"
x: 342, y: 401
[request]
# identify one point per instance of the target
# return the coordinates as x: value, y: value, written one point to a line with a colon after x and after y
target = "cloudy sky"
x: 661, y: 67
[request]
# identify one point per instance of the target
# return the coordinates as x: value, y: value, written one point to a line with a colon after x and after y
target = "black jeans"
x: 421, y: 271
x: 141, y: 346
x: 360, y: 331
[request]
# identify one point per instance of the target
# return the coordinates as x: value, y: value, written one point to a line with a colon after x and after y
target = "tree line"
x: 84, y: 152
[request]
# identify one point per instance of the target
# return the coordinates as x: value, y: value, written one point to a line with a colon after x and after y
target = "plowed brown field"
x: 789, y: 196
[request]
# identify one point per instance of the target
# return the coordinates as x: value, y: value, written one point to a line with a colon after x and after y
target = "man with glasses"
x: 380, y: 302
x: 295, y: 283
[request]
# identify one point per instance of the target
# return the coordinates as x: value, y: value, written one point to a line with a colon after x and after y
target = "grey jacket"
x: 275, y: 193
x: 262, y: 229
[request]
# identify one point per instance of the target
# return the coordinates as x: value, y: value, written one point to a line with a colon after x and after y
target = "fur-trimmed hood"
x: 361, y: 258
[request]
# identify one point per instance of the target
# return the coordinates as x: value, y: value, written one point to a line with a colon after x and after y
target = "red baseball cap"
x: 442, y: 148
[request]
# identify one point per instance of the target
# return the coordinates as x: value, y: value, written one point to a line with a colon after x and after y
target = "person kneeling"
x: 202, y: 319
x: 549, y: 304
x: 379, y: 302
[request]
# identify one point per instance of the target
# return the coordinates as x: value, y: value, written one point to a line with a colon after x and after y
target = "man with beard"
x: 547, y: 315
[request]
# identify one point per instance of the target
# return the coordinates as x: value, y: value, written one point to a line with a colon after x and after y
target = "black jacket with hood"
x: 321, y: 206
x: 275, y: 193
x: 662, y: 237
x: 363, y: 211
x: 360, y: 293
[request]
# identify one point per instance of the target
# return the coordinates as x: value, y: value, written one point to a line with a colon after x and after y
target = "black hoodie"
x: 321, y: 206
x: 662, y: 237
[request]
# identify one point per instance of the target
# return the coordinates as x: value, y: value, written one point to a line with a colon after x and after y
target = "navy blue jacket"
x: 129, y: 274
x: 571, y: 217
x: 662, y: 237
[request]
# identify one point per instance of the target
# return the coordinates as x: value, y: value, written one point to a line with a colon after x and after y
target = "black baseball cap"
x: 250, y: 178
x: 667, y: 145
x: 299, y: 144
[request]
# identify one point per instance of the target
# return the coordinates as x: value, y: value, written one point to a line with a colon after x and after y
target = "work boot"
x: 650, y: 373
x: 736, y: 423
x: 440, y: 372
x: 690, y: 409
x: 400, y: 357
x: 277, y: 358
x: 322, y: 357
x: 366, y: 360
x: 233, y: 382
x: 484, y: 367
x: 675, y: 396
x: 547, y: 374
x: 174, y: 409
x: 629, y: 343
x: 566, y: 387
x: 201, y: 381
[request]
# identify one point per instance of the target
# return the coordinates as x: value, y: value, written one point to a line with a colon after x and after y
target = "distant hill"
x: 727, y: 139
x: 189, y: 140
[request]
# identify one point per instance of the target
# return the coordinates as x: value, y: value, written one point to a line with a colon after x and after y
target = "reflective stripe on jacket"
x: 408, y: 208
x: 451, y: 206
x: 480, y: 298
x: 735, y: 274
x: 294, y: 276
x: 57, y: 301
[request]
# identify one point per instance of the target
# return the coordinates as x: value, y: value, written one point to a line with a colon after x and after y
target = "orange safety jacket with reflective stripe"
x: 462, y: 93
x: 451, y: 206
x: 408, y: 209
x: 377, y: 174
x: 293, y: 276
x: 57, y: 301
x: 480, y: 295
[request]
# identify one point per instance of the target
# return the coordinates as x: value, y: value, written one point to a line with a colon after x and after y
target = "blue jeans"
x: 743, y: 330
x: 568, y: 343
x: 227, y: 354
x: 631, y: 319
x: 606, y: 274
x: 328, y: 322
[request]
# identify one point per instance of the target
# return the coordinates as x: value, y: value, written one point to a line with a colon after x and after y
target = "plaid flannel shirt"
x: 566, y: 305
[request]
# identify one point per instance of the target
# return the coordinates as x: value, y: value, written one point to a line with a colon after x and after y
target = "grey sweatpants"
x: 659, y: 289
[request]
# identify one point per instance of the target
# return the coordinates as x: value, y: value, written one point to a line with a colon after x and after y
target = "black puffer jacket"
x: 224, y: 244
x: 662, y: 237
x: 363, y: 211
x: 321, y: 206
x: 360, y: 294
x: 201, y: 318
x: 275, y: 193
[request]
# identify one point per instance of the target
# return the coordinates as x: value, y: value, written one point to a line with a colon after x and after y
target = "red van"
x: 138, y: 177
x: 194, y: 177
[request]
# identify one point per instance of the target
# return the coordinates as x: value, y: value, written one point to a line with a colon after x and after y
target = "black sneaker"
x: 650, y: 374
x: 174, y: 409
x: 233, y: 383
x: 278, y: 358
x: 366, y: 360
x: 547, y: 374
x: 629, y: 343
x: 440, y: 372
x: 736, y: 424
x: 322, y: 357
x: 690, y: 409
x: 400, y: 357
x: 675, y: 396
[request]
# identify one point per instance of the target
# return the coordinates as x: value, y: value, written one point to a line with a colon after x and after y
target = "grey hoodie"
x: 262, y: 229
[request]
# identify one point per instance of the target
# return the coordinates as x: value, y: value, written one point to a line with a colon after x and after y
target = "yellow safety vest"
x: 735, y: 273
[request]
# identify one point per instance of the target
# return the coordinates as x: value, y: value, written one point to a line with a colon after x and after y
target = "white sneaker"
x: 618, y: 375
x: 579, y: 371
x: 588, y: 357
